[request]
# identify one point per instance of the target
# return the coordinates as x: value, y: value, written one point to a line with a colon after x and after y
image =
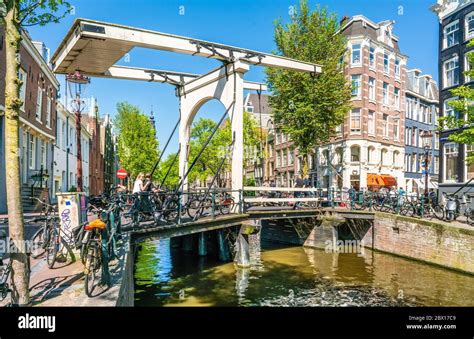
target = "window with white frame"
x: 469, y: 26
x: 356, y: 86
x: 385, y: 125
x: 284, y: 159
x: 436, y: 141
x: 397, y: 68
x: 43, y: 154
x: 386, y: 67
x: 49, y: 103
x: 339, y: 129
x: 467, y: 66
x: 371, y: 123
x: 385, y: 94
x: 32, y: 152
x: 469, y: 167
x: 356, y: 58
x: 451, y: 151
x: 450, y: 111
x: 396, y: 97
x: 372, y: 89
x: 451, y: 34
x: 372, y: 57
x: 451, y: 72
x: 395, y: 156
x: 396, y: 128
x: 383, y: 156
x: 23, y: 78
x: 355, y: 120
x: 355, y: 153
x: 39, y: 103
x: 290, y: 157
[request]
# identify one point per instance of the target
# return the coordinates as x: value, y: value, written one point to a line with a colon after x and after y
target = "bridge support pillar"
x: 224, y: 254
x: 242, y: 256
x: 187, y: 243
x: 202, y: 244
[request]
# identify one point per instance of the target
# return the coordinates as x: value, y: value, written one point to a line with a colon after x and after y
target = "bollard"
x: 241, y: 202
x: 105, y: 279
x: 332, y: 197
x: 179, y: 207
x: 213, y: 211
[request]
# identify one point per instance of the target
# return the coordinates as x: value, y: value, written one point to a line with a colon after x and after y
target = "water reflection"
x: 293, y: 276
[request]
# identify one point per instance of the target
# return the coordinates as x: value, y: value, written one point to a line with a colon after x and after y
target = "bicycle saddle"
x: 95, y: 224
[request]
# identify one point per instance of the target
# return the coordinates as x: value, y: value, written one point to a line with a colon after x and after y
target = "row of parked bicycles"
x: 447, y: 207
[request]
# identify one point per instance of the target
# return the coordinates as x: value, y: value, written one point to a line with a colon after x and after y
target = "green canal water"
x: 294, y: 276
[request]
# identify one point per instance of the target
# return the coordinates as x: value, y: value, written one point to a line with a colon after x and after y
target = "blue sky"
x: 244, y: 23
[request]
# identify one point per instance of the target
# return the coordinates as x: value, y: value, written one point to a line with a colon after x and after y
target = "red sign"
x: 122, y: 173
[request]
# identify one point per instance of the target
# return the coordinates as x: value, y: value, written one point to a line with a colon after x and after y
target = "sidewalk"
x: 64, y: 284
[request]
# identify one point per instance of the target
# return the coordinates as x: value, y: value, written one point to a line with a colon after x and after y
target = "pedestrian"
x: 138, y: 185
x: 298, y: 183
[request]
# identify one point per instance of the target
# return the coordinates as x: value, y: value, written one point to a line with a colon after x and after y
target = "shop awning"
x: 381, y: 180
x: 389, y: 180
x: 375, y: 180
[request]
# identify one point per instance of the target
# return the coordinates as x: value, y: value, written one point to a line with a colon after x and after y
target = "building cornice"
x: 36, y: 129
x: 410, y: 92
x: 441, y: 8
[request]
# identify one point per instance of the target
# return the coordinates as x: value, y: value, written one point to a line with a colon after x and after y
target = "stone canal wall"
x: 435, y: 242
x: 126, y: 293
x: 449, y: 245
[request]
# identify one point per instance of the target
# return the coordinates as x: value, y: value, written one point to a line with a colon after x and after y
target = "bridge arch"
x: 226, y: 85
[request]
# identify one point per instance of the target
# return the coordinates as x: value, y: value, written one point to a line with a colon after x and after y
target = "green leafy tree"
x: 14, y: 15
x: 211, y: 158
x: 173, y: 176
x: 306, y: 107
x: 137, y: 145
x: 464, y: 107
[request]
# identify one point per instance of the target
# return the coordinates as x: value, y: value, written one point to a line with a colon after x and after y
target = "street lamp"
x: 427, y: 138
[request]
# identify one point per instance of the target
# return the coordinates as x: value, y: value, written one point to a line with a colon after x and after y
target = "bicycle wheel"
x: 171, y: 212
x: 408, y: 211
x: 38, y: 243
x: 52, y: 248
x: 193, y: 207
x: 226, y: 205
x: 93, y: 268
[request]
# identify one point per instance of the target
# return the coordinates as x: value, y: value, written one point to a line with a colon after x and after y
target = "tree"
x: 308, y: 108
x: 16, y: 14
x: 137, y: 145
x: 464, y: 107
x: 211, y: 158
x: 169, y: 167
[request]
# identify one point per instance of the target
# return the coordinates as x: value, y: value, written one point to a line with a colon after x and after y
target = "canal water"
x: 294, y: 276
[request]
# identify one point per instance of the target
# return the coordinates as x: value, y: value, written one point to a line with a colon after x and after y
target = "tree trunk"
x: 20, y: 276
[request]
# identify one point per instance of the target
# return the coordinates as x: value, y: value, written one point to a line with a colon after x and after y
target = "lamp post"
x: 427, y: 138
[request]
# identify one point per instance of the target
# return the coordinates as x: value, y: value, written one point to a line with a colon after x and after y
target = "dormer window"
x: 249, y: 109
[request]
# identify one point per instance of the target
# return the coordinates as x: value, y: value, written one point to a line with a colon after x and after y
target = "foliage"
x: 73, y: 189
x: 137, y: 144
x: 173, y: 177
x: 210, y: 159
x: 464, y: 107
x: 308, y: 108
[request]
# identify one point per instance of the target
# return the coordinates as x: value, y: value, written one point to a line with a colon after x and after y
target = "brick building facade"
x: 368, y: 150
x: 37, y: 121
